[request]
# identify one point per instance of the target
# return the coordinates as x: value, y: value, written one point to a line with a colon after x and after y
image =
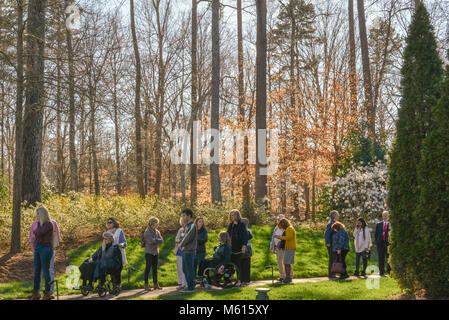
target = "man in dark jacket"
x: 381, y: 240
x: 188, y: 247
x: 328, y: 235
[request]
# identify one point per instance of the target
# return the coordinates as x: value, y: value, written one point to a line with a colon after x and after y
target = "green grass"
x: 311, y: 261
x: 324, y: 290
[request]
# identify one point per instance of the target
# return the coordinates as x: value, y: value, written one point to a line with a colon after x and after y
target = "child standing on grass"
x: 181, y: 277
x: 152, y: 239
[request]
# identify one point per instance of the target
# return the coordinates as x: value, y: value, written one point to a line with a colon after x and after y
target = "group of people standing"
x: 234, y: 245
x: 337, y: 243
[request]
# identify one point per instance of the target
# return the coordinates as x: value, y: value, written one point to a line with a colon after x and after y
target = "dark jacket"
x: 340, y: 240
x: 202, y: 239
x: 379, y: 233
x: 189, y: 241
x: 222, y: 255
x: 107, y: 261
x: 239, y: 236
x: 329, y: 233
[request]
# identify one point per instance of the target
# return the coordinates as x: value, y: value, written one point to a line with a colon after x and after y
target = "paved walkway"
x: 172, y: 290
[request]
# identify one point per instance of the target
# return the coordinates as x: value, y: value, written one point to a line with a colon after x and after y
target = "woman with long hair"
x: 239, y: 239
x: 113, y: 227
x: 182, y: 283
x: 43, y: 252
x: 362, y: 244
x: 202, y: 239
x: 290, y: 247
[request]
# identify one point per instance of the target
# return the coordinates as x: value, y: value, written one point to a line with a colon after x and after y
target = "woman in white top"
x: 362, y: 244
x: 275, y: 248
x: 113, y: 227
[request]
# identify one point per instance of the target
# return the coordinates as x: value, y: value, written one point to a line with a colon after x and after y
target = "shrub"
x: 360, y: 193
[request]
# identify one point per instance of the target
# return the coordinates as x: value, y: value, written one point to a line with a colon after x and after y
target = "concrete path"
x: 172, y: 290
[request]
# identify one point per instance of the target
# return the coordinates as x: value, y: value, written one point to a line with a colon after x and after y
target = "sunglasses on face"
x: 110, y: 222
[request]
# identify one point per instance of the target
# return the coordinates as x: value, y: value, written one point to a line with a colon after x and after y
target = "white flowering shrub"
x: 361, y: 192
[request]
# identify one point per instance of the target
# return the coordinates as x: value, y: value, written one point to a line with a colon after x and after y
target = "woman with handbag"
x: 246, y: 258
x: 340, y: 248
x: 362, y: 244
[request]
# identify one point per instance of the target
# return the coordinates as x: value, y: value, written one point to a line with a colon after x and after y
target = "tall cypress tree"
x: 421, y: 79
x: 433, y: 209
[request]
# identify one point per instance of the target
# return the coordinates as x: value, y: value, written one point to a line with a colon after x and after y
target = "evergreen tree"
x: 433, y: 209
x: 421, y: 78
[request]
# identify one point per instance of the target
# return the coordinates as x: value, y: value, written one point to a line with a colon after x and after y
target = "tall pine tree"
x: 421, y: 79
x: 433, y: 209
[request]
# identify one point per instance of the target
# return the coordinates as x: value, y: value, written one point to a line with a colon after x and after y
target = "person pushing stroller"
x: 106, y: 260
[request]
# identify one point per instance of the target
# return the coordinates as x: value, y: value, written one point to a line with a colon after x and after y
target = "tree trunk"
x: 137, y: 112
x: 215, y: 102
x: 34, y: 104
x: 352, y: 59
x: 194, y: 95
x: 117, y: 138
x: 93, y: 142
x: 369, y: 105
x: 261, y: 99
x: 242, y: 119
x: 72, y: 112
x: 160, y: 101
x: 18, y: 167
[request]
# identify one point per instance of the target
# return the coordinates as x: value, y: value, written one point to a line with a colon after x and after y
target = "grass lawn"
x: 324, y: 290
x: 311, y: 261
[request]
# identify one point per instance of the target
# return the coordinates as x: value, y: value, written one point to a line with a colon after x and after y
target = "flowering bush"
x: 360, y: 193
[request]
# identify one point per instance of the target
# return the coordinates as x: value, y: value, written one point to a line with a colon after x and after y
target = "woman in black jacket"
x: 239, y: 238
x: 201, y: 240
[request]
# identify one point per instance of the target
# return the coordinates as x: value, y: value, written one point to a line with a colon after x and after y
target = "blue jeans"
x: 197, y: 261
x: 188, y: 269
x: 357, y: 262
x: 42, y: 259
x: 52, y: 275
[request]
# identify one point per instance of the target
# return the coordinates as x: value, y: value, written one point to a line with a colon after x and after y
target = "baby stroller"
x: 103, y: 269
x: 228, y: 278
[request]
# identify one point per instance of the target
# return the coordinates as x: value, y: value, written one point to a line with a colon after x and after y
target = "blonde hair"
x: 224, y: 237
x: 153, y: 221
x: 245, y: 222
x: 236, y: 213
x: 44, y: 216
